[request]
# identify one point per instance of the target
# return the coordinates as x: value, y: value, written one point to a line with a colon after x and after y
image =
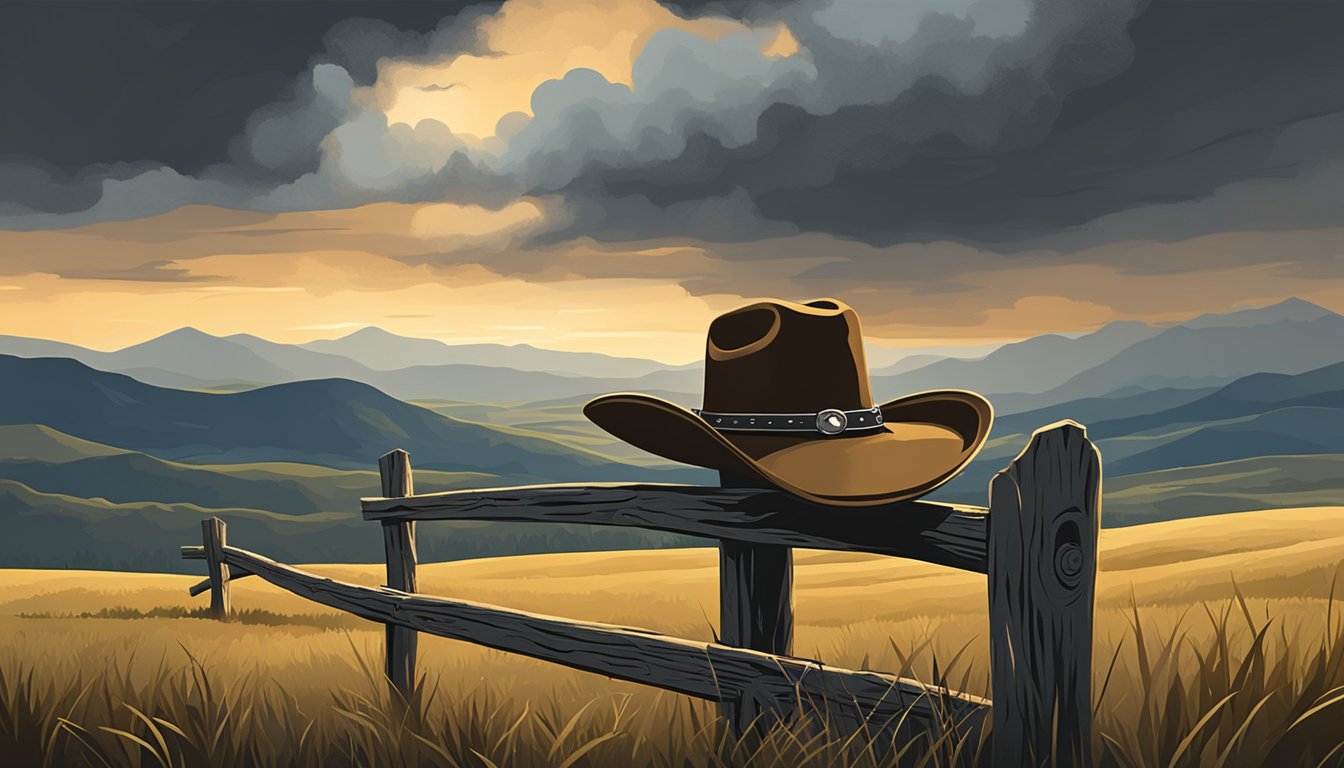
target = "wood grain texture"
x: 213, y: 533
x: 945, y: 534
x: 235, y: 573
x: 706, y: 670
x: 1044, y: 517
x: 394, y: 469
x: 756, y: 612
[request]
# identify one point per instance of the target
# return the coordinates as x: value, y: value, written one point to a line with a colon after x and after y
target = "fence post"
x: 399, y: 543
x: 213, y: 537
x: 1044, y: 513
x: 755, y: 611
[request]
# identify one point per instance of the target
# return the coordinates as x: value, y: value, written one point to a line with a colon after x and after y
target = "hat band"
x: 831, y: 421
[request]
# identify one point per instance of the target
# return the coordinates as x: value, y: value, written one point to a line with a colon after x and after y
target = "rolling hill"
x: 52, y: 462
x: 332, y: 422
x: 1255, y: 416
x: 1263, y: 482
x: 50, y: 530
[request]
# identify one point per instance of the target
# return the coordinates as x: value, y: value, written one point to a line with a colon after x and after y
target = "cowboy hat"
x: 787, y: 401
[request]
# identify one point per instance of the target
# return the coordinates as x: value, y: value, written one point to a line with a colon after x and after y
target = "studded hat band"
x: 831, y: 421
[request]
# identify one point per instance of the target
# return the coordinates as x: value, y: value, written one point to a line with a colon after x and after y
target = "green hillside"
x: 1264, y: 482
x: 560, y: 419
x: 53, y: 462
x: 37, y: 442
x: 332, y: 422
x: 48, y: 530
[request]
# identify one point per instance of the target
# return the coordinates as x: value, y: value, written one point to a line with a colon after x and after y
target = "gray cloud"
x: 1021, y: 125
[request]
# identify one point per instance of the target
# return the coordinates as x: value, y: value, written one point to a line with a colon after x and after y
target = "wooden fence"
x: 1037, y: 543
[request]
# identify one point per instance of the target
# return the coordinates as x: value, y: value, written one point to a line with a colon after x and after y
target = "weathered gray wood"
x: 946, y: 534
x: 235, y: 573
x: 756, y: 612
x: 394, y: 468
x: 706, y: 670
x: 213, y: 536
x: 1044, y: 516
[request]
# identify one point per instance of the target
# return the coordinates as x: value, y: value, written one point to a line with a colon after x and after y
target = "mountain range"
x: 1254, y: 416
x: 118, y: 454
x: 1289, y: 337
x: 191, y: 359
x: 1210, y: 350
x: 331, y: 422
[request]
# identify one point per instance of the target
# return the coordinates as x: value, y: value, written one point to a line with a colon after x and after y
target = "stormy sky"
x: 961, y: 171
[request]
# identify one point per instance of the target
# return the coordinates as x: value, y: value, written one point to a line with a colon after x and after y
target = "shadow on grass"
x: 245, y: 616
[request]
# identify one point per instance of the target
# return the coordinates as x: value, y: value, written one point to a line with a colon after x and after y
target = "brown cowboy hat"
x: 787, y: 401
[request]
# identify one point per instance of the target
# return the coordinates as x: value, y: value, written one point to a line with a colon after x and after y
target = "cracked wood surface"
x: 704, y: 670
x: 945, y: 534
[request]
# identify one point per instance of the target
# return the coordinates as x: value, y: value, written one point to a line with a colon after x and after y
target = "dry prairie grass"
x: 1219, y: 642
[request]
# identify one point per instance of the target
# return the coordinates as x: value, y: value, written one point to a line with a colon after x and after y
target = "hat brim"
x: 928, y: 438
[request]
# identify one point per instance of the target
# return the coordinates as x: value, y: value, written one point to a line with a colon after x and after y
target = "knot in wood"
x: 1069, y: 564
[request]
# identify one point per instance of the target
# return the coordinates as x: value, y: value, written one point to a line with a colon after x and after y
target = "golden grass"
x: 1236, y: 617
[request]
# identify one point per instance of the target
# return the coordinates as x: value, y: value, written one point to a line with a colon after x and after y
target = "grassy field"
x: 1219, y: 642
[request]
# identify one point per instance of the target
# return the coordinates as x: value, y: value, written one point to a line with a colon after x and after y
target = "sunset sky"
x: 609, y: 176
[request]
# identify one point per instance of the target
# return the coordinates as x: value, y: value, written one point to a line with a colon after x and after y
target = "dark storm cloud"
x: 86, y: 82
x: 1035, y: 124
x: 1216, y: 94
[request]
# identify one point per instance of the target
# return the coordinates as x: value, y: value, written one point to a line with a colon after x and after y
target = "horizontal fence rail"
x: 945, y: 534
x: 711, y: 671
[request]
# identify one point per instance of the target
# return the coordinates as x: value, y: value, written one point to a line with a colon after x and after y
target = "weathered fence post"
x: 1044, y: 513
x: 213, y: 537
x: 399, y: 543
x: 755, y: 610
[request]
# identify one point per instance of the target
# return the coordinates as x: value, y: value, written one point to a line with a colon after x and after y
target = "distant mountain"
x: 1257, y: 415
x: 482, y: 384
x: 185, y: 358
x: 1255, y: 394
x: 1292, y: 310
x: 1031, y: 366
x: 1206, y: 351
x: 190, y: 359
x: 193, y: 353
x: 907, y: 364
x: 1292, y: 339
x: 20, y: 346
x: 384, y: 351
x: 300, y: 363
x: 332, y: 422
x: 1098, y: 410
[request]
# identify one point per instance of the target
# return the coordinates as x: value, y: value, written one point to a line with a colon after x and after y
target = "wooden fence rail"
x: 946, y: 534
x: 1036, y: 542
x: 706, y: 670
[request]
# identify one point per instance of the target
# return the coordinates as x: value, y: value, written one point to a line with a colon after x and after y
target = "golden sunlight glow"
x: 297, y: 276
x: 526, y: 43
x: 783, y: 45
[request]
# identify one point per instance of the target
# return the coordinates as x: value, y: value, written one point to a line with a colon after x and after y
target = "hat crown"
x: 783, y: 357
